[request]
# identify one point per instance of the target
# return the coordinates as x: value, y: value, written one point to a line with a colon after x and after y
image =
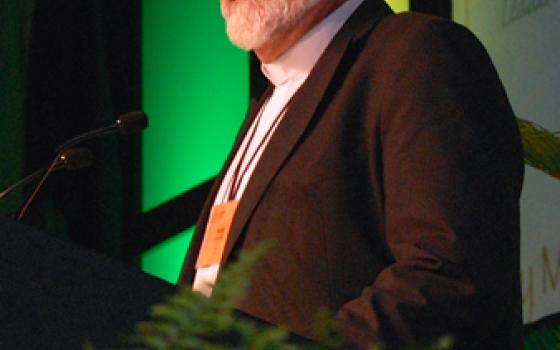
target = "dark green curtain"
x: 72, y: 66
x: 15, y: 24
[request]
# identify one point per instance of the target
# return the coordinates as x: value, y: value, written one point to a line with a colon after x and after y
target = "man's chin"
x: 251, y: 24
x: 249, y: 39
x: 247, y: 44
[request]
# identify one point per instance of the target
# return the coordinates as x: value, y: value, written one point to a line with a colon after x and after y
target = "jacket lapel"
x: 300, y: 112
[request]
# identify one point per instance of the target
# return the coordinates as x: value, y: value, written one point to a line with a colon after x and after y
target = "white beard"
x: 252, y: 23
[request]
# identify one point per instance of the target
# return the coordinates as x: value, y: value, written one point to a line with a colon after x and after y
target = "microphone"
x: 126, y: 123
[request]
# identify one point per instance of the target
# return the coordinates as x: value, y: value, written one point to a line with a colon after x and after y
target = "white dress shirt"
x: 287, y: 73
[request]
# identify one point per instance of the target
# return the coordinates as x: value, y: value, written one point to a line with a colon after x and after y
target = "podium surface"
x: 55, y: 295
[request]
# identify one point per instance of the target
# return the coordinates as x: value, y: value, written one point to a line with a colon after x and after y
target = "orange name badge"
x: 215, y: 237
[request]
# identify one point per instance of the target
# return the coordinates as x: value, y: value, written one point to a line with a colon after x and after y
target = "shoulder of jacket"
x: 412, y: 26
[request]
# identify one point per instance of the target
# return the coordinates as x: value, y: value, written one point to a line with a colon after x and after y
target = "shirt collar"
x: 298, y: 61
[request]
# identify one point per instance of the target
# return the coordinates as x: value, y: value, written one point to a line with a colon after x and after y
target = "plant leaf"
x: 541, y: 147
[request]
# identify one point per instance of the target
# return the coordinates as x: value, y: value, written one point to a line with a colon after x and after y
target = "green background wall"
x: 195, y: 90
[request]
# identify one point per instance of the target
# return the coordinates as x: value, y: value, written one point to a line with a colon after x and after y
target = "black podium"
x: 55, y: 295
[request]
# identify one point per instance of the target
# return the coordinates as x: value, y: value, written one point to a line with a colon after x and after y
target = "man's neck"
x: 277, y: 46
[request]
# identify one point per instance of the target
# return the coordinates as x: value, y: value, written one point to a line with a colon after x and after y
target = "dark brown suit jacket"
x: 391, y: 188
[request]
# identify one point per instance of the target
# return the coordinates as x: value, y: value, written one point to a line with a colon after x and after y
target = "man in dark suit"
x: 388, y: 173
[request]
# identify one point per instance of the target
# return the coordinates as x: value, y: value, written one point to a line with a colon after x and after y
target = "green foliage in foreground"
x: 547, y: 338
x: 188, y: 320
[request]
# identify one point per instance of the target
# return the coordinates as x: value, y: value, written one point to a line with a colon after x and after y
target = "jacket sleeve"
x: 452, y: 173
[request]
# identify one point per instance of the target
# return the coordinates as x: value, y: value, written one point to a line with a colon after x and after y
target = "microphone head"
x: 75, y: 158
x: 132, y: 122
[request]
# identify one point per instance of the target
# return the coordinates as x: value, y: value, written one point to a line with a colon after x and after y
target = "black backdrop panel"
x: 84, y: 70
